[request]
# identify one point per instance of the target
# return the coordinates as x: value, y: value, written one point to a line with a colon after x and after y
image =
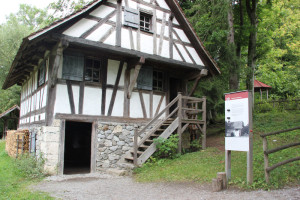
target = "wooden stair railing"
x: 164, y: 127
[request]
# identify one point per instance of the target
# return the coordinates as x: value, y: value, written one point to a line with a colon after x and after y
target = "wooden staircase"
x: 185, y: 113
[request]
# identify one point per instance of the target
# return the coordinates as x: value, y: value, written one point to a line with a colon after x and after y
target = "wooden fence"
x: 267, y: 151
x: 283, y: 104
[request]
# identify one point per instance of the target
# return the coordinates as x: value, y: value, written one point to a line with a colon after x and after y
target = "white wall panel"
x: 107, y: 100
x: 44, y: 99
x: 176, y: 55
x: 119, y: 104
x: 111, y: 40
x: 80, y: 27
x: 165, y: 49
x: 62, y: 104
x: 163, y: 4
x: 125, y: 42
x: 102, y: 11
x: 112, y: 72
x: 132, y: 4
x: 146, y: 98
x: 99, y: 32
x: 146, y: 43
x: 195, y: 56
x: 75, y: 89
x: 135, y: 106
x: 182, y: 35
x: 92, y: 101
x: 184, y: 53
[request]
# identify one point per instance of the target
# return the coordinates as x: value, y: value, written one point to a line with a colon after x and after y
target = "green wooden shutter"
x: 73, y: 66
x: 41, y: 74
x: 131, y: 17
x: 145, y: 78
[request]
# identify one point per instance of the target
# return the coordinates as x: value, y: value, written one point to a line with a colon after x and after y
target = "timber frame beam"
x: 135, y: 76
x: 203, y: 72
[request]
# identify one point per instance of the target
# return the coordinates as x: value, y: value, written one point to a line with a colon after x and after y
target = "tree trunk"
x: 234, y: 75
x: 251, y: 6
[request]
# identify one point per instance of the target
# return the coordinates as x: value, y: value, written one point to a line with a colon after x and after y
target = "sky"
x: 12, y: 6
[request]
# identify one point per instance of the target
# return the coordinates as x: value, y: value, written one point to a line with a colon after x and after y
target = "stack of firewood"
x: 17, y: 142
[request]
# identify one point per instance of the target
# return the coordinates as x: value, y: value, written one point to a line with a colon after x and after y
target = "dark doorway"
x: 175, y: 87
x: 77, y: 156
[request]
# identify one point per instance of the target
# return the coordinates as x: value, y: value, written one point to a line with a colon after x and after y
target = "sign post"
x: 238, y: 129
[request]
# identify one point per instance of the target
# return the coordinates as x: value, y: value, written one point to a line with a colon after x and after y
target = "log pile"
x: 17, y: 142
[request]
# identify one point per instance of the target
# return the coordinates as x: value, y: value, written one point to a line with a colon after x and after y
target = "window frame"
x: 43, y: 66
x: 146, y: 14
x: 100, y: 60
x: 156, y: 78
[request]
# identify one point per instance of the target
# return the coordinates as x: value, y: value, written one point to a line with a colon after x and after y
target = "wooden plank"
x: 71, y: 97
x: 162, y: 32
x: 61, y: 147
x: 159, y: 104
x: 282, y: 163
x: 136, y: 73
x: 281, y: 148
x: 81, y: 97
x: 151, y: 103
x: 266, y: 159
x: 103, y: 82
x: 179, y: 116
x: 228, y: 164
x: 180, y: 54
x: 154, y: 32
x: 143, y: 104
x: 204, y: 124
x: 126, y: 106
x: 113, y: 96
x: 94, y: 146
x: 281, y: 131
x: 119, y: 23
x: 170, y: 37
x: 100, y: 23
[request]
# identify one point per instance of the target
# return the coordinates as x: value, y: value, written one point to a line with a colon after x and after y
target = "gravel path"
x: 108, y: 187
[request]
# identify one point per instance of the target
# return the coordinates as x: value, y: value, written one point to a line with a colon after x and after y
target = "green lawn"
x: 202, y: 166
x: 13, y: 182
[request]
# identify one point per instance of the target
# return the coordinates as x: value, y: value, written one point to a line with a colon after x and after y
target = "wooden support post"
x: 22, y: 145
x: 222, y: 176
x: 266, y: 159
x: 135, y: 76
x: 203, y: 72
x: 250, y: 152
x: 17, y: 152
x: 217, y: 184
x: 135, y: 148
x: 267, y: 94
x: 260, y: 94
x: 228, y: 164
x: 179, y: 122
x: 204, y: 125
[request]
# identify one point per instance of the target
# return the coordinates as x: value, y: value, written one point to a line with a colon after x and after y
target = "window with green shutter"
x: 145, y: 78
x: 73, y: 66
x: 42, y: 73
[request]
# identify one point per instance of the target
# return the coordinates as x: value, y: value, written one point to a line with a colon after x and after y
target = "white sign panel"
x: 237, y: 121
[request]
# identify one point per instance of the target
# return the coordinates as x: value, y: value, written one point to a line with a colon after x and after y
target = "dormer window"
x: 145, y: 22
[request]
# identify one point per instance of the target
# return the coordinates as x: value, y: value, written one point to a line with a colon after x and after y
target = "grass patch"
x: 14, y: 181
x: 202, y: 166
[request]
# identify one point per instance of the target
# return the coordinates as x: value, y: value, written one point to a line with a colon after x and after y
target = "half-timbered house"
x: 89, y: 80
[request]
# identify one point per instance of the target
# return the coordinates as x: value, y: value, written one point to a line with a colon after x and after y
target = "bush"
x: 30, y: 166
x: 166, y: 148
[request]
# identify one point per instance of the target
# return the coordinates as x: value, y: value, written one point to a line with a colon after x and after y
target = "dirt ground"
x: 109, y: 187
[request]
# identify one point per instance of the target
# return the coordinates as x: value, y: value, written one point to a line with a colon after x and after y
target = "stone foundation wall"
x: 47, y: 145
x: 114, y: 140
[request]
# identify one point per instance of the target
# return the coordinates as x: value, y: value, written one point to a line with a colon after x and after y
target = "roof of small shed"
x: 12, y: 109
x: 21, y: 67
x: 258, y: 84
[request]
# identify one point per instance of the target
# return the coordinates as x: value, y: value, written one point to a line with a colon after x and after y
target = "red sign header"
x: 235, y: 96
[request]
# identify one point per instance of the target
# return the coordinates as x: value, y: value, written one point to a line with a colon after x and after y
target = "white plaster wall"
x: 107, y: 100
x: 163, y: 4
x: 92, y: 101
x: 125, y: 42
x: 80, y: 27
x: 184, y: 53
x: 182, y: 35
x: 112, y: 72
x: 165, y: 49
x: 99, y: 32
x: 146, y: 48
x: 75, y: 90
x: 44, y: 99
x: 135, y: 106
x: 102, y: 11
x: 111, y: 40
x: 176, y: 55
x: 195, y: 56
x: 146, y: 98
x: 62, y: 104
x: 118, y: 105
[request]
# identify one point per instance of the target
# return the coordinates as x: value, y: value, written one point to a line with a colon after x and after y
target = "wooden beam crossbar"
x: 135, y: 76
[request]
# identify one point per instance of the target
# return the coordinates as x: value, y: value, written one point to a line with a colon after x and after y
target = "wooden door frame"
x: 94, y: 126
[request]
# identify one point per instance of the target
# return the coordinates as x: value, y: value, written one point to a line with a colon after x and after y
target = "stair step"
x: 129, y: 158
x: 138, y: 152
x: 160, y: 129
x: 144, y: 146
x: 148, y: 140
